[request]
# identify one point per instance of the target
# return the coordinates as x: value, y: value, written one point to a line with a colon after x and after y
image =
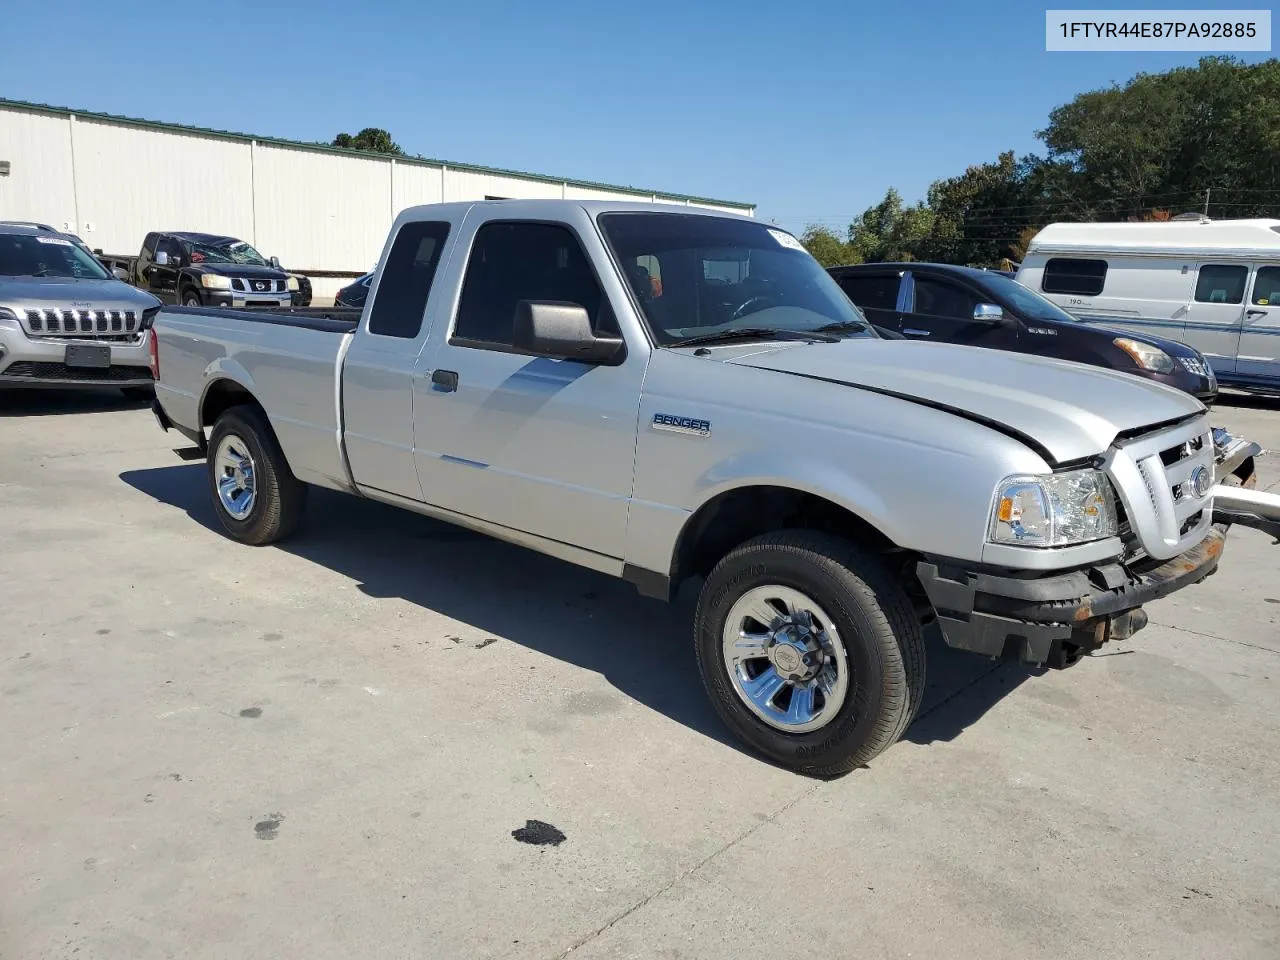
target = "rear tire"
x: 257, y: 498
x: 878, y: 643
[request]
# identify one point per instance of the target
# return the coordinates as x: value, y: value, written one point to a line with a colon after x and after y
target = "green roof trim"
x: 343, y: 151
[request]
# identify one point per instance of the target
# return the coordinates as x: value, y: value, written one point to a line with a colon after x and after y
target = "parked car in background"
x: 984, y: 308
x: 65, y: 320
x: 1213, y: 284
x: 354, y: 294
x: 204, y: 269
x: 663, y: 394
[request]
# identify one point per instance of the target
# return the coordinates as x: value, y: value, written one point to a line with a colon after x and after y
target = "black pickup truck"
x: 205, y: 269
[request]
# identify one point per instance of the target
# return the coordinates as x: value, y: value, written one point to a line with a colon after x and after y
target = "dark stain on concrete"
x: 269, y: 828
x: 251, y: 712
x: 102, y: 632
x: 485, y: 642
x: 539, y: 834
x: 270, y: 637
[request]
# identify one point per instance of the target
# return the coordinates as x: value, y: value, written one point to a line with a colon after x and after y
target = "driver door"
x: 533, y: 444
x: 163, y: 280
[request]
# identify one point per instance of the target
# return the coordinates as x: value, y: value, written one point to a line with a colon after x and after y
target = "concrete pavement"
x: 322, y: 749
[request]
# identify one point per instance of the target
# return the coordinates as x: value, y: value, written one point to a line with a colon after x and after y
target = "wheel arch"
x: 738, y: 513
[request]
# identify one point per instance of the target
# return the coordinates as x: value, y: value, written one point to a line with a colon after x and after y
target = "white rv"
x: 1213, y: 284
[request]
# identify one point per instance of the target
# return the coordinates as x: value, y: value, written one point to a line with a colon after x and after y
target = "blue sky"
x: 809, y: 109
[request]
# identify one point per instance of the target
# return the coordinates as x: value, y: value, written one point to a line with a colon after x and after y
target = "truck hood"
x: 240, y: 271
x: 1069, y: 411
x: 72, y: 293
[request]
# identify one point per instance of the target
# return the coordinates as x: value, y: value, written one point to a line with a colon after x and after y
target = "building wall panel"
x: 469, y: 185
x: 39, y: 186
x: 130, y: 181
x: 320, y: 210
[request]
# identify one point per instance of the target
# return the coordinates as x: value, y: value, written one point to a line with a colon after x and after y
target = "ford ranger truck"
x: 666, y: 394
x: 64, y: 320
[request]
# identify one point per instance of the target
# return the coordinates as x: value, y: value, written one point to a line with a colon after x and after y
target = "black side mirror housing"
x: 562, y: 331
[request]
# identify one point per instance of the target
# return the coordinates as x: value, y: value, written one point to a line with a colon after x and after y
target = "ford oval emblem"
x: 1201, y: 481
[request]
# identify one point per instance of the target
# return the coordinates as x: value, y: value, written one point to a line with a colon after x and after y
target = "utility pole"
x: 1206, y: 200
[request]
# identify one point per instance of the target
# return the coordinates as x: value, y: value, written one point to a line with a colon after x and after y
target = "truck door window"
x: 1221, y: 283
x: 1081, y: 278
x: 172, y: 248
x: 511, y: 262
x: 406, y: 280
x: 937, y: 298
x: 1266, y: 288
x: 871, y: 292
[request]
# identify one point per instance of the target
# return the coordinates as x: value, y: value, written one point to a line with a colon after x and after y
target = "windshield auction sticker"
x: 56, y: 241
x: 1198, y: 30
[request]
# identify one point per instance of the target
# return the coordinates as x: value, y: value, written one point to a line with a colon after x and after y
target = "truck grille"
x: 98, y: 324
x: 1165, y: 481
x: 258, y: 286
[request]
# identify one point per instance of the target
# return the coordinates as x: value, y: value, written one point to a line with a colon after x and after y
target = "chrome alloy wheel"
x: 785, y: 659
x: 234, y: 470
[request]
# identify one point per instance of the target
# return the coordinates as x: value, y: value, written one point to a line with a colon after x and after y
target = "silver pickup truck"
x: 665, y: 394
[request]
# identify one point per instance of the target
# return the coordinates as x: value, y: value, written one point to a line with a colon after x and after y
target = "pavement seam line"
x: 750, y: 830
x: 1214, y: 636
x: 808, y: 792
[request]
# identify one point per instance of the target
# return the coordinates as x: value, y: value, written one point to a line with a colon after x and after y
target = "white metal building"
x: 323, y: 211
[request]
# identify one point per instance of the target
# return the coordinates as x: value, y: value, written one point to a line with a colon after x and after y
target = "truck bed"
x: 286, y: 357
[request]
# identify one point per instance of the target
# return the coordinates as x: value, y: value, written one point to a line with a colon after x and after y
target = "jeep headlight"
x: 1145, y: 355
x: 211, y: 281
x: 293, y: 283
x: 1055, y: 510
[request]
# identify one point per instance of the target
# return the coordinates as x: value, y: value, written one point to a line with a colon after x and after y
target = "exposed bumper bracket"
x: 1056, y: 619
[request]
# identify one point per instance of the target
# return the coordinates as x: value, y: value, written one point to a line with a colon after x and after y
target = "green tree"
x: 827, y: 248
x: 370, y: 140
x: 891, y: 230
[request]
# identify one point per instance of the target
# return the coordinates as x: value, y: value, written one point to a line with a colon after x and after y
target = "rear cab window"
x: 401, y: 301
x: 1073, y: 276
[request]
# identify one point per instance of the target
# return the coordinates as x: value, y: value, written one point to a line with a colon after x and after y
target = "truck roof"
x: 208, y: 239
x: 558, y: 208
x: 1172, y: 238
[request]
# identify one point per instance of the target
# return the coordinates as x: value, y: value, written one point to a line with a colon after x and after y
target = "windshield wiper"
x: 854, y: 326
x: 754, y: 333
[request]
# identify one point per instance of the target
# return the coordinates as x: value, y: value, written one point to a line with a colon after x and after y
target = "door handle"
x: 1255, y: 313
x: 446, y: 380
x: 913, y: 332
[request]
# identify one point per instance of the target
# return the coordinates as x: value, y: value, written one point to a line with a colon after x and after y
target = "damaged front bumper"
x: 1056, y: 619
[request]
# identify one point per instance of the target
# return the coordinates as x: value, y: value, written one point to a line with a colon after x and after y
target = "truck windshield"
x: 225, y: 251
x: 1025, y: 300
x: 697, y: 275
x: 32, y: 255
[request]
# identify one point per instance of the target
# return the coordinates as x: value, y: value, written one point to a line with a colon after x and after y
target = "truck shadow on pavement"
x: 641, y: 646
x: 34, y: 402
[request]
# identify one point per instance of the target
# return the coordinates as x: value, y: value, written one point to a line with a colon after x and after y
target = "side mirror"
x: 988, y: 312
x: 275, y: 262
x: 162, y: 259
x: 561, y: 331
x: 120, y: 273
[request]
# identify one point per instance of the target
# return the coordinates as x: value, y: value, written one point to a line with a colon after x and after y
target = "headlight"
x: 1055, y: 510
x: 1145, y: 355
x: 211, y: 281
x: 293, y: 283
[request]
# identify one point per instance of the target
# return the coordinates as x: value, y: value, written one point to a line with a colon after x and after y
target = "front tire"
x: 257, y: 498
x: 835, y: 676
x: 190, y: 298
